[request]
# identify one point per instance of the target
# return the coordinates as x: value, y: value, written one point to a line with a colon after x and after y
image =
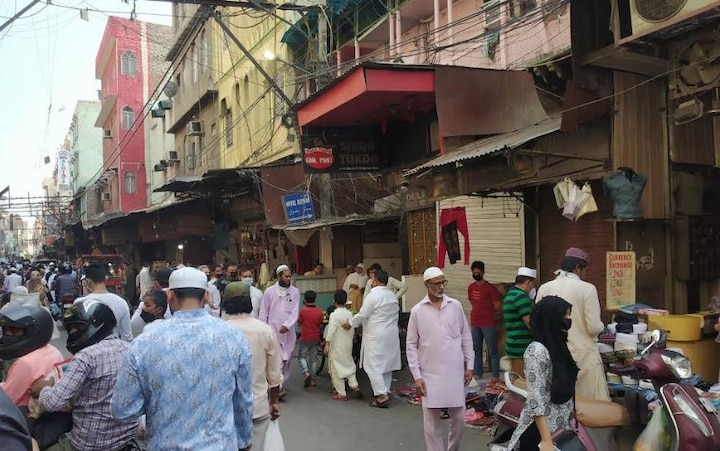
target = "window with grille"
x: 229, y: 127
x: 519, y: 8
x: 128, y: 117
x: 195, y: 63
x: 128, y: 63
x: 190, y: 154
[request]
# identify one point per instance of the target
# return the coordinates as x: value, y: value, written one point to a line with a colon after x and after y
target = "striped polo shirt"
x: 516, y: 304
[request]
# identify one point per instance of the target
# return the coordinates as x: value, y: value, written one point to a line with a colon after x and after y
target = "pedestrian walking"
x: 190, y: 374
x: 310, y: 321
x: 279, y: 309
x: 440, y: 356
x: 338, y: 348
x: 551, y: 389
x: 95, y: 277
x: 486, y: 310
x: 583, y: 335
x: 144, y: 279
x: 380, y: 349
x: 517, y: 305
x: 247, y: 276
x: 266, y: 361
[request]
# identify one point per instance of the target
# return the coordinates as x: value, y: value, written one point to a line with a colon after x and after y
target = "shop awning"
x: 229, y: 181
x: 299, y: 234
x: 493, y: 144
x: 372, y: 93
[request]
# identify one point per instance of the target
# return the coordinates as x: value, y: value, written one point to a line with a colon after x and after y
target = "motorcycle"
x: 66, y: 301
x: 599, y: 421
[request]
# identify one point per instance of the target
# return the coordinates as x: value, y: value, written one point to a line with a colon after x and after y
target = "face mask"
x: 147, y: 317
x: 567, y: 322
x: 532, y: 293
x: 248, y: 281
x: 478, y: 277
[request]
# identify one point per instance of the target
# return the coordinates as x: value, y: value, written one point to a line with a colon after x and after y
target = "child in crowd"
x: 338, y: 347
x: 310, y: 320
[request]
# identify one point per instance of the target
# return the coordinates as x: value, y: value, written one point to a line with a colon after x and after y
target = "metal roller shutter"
x: 593, y: 232
x: 497, y: 238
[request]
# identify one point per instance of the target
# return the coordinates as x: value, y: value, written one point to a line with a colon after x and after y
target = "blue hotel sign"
x: 298, y: 208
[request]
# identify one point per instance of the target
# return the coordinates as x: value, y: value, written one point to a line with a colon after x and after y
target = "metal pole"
x: 18, y: 14
x: 218, y: 18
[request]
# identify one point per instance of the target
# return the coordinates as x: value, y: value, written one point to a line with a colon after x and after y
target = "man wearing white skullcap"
x: 440, y: 357
x: 279, y: 309
x: 517, y: 305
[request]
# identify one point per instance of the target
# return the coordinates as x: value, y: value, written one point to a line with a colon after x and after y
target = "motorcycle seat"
x: 594, y: 413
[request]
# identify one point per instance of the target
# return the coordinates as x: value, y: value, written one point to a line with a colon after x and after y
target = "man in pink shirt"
x: 440, y: 356
x: 26, y: 333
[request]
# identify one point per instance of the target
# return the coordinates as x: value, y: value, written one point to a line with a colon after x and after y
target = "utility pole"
x: 271, y: 81
x: 18, y: 14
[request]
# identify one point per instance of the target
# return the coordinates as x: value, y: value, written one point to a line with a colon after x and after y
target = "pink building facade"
x: 129, y: 65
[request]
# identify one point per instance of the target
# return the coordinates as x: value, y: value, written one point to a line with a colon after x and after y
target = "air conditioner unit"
x: 105, y: 196
x: 648, y: 16
x: 688, y: 111
x: 107, y: 133
x: 173, y: 155
x: 194, y: 128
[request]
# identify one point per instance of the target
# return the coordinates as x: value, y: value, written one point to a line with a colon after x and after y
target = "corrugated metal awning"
x: 493, y: 144
x: 352, y: 219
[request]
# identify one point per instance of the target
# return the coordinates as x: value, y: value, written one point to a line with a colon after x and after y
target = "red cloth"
x: 311, y: 321
x: 448, y: 215
x: 483, y: 298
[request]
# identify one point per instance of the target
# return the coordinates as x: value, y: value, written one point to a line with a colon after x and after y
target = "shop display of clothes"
x: 574, y: 201
x: 452, y: 222
x: 625, y: 187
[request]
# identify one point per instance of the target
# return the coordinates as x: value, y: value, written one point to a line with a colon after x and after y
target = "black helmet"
x: 38, y: 328
x: 94, y: 321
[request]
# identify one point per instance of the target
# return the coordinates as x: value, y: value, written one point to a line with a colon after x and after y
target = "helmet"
x: 38, y: 328
x: 93, y: 320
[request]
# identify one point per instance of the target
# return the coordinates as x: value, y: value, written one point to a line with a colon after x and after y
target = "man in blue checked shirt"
x: 190, y: 374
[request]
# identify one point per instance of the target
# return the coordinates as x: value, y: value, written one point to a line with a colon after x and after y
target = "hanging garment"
x: 590, y: 205
x: 562, y: 191
x: 453, y: 215
x: 452, y: 241
x: 625, y: 187
x: 575, y: 201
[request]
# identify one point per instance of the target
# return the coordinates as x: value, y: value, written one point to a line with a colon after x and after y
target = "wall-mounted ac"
x: 105, y: 196
x: 107, y: 133
x: 648, y: 16
x: 173, y: 155
x: 194, y: 128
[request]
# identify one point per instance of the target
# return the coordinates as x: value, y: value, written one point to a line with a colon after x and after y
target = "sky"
x: 48, y: 64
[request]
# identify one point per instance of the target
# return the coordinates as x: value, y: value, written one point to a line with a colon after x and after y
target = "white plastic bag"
x: 273, y: 437
x: 656, y: 435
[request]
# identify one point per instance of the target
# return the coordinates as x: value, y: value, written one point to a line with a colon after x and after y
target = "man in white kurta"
x: 279, y: 309
x: 380, y: 350
x: 586, y: 322
x: 440, y: 356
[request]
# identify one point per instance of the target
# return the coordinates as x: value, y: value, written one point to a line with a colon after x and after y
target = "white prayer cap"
x: 282, y: 268
x: 528, y: 272
x: 188, y: 278
x: 360, y: 265
x: 432, y: 272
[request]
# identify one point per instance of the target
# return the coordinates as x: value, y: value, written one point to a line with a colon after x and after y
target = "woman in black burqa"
x: 551, y: 376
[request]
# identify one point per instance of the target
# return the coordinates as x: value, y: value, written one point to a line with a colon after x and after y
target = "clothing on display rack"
x: 574, y: 201
x: 449, y: 242
x: 625, y: 187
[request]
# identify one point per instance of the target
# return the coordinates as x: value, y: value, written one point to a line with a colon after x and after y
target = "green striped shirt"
x: 516, y: 304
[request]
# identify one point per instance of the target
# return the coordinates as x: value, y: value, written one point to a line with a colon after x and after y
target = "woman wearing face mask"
x: 552, y: 374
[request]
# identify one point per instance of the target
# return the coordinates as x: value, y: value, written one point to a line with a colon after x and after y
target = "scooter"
x: 597, y: 428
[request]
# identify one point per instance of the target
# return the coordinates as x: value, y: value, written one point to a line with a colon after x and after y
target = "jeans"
x: 489, y: 334
x: 308, y: 356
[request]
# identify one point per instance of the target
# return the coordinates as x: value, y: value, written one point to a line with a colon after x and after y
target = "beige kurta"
x: 341, y: 344
x: 582, y: 337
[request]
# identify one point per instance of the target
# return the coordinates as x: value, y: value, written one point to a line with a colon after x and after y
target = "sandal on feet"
x: 308, y: 380
x: 313, y: 382
x: 340, y: 397
x: 380, y: 404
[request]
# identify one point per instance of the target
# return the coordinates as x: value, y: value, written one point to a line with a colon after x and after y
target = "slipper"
x: 283, y: 394
x: 378, y: 404
x: 308, y: 381
x: 339, y: 398
x: 313, y: 382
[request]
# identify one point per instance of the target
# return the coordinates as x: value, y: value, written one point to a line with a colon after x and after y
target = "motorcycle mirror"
x: 656, y: 336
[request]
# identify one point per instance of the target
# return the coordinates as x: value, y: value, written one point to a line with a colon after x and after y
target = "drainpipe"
x: 450, y: 21
x: 436, y: 18
x: 357, y: 50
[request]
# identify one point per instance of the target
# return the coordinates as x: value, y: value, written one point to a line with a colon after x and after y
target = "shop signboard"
x: 620, y: 279
x: 298, y: 207
x: 341, y: 150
